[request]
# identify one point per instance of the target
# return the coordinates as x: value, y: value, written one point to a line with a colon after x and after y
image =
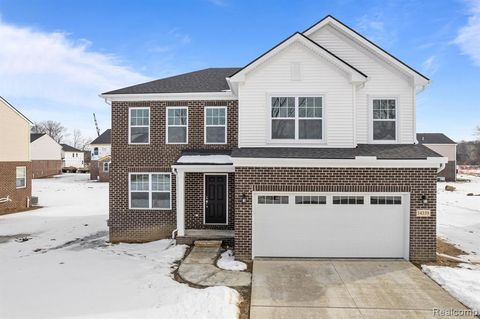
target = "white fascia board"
x: 359, y: 162
x: 354, y: 75
x: 418, y: 80
x: 222, y: 96
x: 204, y: 168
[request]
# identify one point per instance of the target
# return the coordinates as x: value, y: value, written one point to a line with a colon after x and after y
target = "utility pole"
x: 96, y: 124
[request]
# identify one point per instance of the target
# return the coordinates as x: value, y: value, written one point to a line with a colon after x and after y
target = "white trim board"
x: 210, y: 96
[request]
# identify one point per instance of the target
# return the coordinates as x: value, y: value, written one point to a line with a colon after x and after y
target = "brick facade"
x: 94, y: 171
x: 46, y: 168
x: 143, y: 225
x: 8, y: 187
x: 103, y: 176
x: 418, y: 182
x: 449, y: 172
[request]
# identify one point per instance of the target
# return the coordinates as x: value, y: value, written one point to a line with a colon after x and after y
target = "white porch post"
x: 180, y: 185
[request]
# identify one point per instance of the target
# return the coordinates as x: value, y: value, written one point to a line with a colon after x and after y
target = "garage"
x: 350, y: 225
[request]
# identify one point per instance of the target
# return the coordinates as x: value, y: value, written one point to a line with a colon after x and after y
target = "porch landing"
x: 191, y: 235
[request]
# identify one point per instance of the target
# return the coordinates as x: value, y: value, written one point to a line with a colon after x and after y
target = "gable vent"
x: 296, y: 71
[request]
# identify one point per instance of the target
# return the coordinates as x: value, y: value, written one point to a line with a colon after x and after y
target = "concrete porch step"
x: 194, y: 235
x: 208, y: 243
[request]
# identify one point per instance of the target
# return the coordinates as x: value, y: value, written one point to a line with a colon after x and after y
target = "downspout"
x: 175, y: 231
x: 441, y: 168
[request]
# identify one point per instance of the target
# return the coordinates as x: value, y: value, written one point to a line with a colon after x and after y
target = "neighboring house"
x: 444, y: 146
x: 46, y: 155
x: 15, y: 164
x: 72, y: 157
x: 100, y: 149
x: 307, y: 151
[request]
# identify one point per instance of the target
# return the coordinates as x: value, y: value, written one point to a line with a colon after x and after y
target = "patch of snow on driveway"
x: 66, y: 268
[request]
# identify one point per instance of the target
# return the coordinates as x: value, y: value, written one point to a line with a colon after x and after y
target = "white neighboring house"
x: 72, y: 157
x: 101, y: 147
x: 46, y: 155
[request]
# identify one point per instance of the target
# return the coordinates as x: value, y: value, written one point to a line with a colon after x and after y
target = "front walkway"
x: 199, y: 268
x: 296, y: 288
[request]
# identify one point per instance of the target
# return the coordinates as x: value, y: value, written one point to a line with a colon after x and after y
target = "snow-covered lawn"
x: 66, y: 269
x: 458, y: 222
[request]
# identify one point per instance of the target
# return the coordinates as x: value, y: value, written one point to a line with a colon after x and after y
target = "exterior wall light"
x: 424, y: 199
x: 243, y: 199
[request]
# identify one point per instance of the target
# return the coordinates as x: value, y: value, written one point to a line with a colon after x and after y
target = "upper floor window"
x: 177, y: 125
x: 384, y: 113
x: 297, y: 118
x: 95, y: 151
x: 139, y: 125
x: 21, y: 177
x: 215, y: 125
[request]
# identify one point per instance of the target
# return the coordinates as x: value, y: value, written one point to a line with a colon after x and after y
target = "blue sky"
x: 57, y: 56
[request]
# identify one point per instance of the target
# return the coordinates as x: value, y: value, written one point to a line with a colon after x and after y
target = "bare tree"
x: 52, y: 128
x: 79, y: 141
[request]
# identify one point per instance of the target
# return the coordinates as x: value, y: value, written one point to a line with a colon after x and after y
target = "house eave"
x: 220, y: 96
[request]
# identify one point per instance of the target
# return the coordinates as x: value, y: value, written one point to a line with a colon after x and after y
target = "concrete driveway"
x: 306, y: 288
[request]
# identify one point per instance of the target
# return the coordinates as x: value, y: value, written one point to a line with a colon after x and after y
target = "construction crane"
x: 96, y: 124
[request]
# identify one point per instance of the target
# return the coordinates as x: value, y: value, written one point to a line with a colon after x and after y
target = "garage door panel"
x: 327, y: 230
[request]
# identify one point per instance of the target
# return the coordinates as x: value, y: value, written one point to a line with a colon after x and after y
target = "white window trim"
x: 130, y: 125
x: 108, y: 165
x: 211, y: 125
x: 227, y: 198
x: 167, y: 126
x: 296, y: 140
x: 371, y: 120
x: 149, y: 191
x: 25, y: 177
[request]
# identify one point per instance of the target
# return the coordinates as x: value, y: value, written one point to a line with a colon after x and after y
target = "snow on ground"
x: 227, y: 261
x: 458, y: 222
x: 67, y: 270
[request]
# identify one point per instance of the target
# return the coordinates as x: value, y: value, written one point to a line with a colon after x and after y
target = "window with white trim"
x: 273, y: 199
x: 177, y: 125
x: 384, y: 117
x: 150, y: 190
x: 386, y: 200
x: 139, y: 125
x: 310, y: 200
x: 106, y: 166
x: 21, y: 177
x: 297, y: 118
x: 347, y: 200
x: 215, y: 125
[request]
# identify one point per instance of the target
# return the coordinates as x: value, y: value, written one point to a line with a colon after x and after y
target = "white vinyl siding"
x: 318, y: 77
x: 383, y: 80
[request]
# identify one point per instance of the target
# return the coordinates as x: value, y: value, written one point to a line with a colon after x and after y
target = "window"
x: 312, y: 200
x: 347, y: 200
x: 150, y: 191
x: 95, y: 151
x: 215, y: 125
x: 297, y: 118
x: 177, y: 125
x: 21, y: 177
x: 384, y: 113
x: 139, y: 129
x: 386, y: 200
x: 273, y: 199
x: 106, y: 166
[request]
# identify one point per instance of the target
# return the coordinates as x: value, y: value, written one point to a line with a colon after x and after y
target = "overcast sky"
x: 57, y: 56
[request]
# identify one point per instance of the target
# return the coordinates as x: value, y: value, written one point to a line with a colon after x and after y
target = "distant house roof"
x: 381, y: 151
x: 36, y: 136
x: 104, y: 138
x: 434, y: 138
x: 68, y: 148
x: 16, y: 111
x: 206, y: 80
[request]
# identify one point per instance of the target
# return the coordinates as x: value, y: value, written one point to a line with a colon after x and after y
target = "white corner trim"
x: 358, y: 162
x: 223, y: 96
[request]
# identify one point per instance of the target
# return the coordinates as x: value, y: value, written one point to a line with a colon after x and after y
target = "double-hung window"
x: 106, y: 166
x: 297, y: 118
x: 150, y: 190
x: 139, y: 125
x: 21, y: 177
x: 384, y: 113
x: 215, y: 125
x: 177, y: 125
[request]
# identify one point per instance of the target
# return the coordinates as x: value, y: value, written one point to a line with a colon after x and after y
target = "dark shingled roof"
x: 68, y: 148
x: 207, y: 80
x: 434, y: 138
x: 104, y: 138
x: 381, y: 151
x: 35, y: 136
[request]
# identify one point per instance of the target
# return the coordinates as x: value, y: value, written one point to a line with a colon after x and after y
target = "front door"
x: 215, y: 199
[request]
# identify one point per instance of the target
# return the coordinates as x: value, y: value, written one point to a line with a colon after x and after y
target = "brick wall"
x: 102, y: 175
x: 416, y: 181
x: 194, y: 206
x: 449, y: 172
x: 45, y: 168
x: 94, y: 170
x: 8, y: 186
x: 136, y: 225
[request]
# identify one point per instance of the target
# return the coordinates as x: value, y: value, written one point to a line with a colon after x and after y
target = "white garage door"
x: 330, y: 225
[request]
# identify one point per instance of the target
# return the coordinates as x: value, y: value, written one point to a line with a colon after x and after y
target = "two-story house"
x: 100, y: 150
x: 15, y: 164
x: 46, y: 155
x: 72, y: 157
x: 307, y: 151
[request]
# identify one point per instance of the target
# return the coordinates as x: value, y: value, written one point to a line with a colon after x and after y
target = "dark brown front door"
x: 215, y: 199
